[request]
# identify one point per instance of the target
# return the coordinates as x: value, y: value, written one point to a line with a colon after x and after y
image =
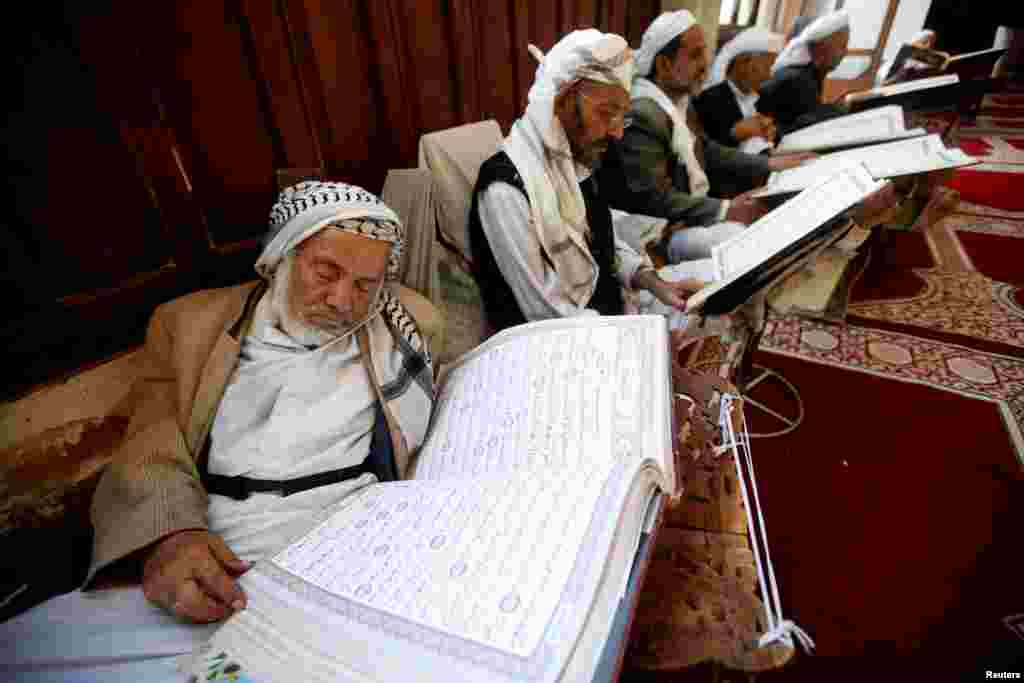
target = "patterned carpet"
x: 909, y: 465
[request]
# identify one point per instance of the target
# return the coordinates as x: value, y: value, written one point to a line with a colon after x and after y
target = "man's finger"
x: 215, y: 581
x: 223, y: 554
x: 195, y: 604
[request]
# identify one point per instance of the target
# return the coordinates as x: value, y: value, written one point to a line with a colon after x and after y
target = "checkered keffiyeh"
x: 305, y: 209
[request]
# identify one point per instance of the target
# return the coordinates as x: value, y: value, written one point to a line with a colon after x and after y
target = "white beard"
x: 301, y: 332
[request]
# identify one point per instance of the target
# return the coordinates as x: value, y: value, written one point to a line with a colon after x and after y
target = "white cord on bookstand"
x: 779, y: 629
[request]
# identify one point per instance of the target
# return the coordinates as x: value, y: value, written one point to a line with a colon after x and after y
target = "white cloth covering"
x: 539, y: 148
x: 747, y: 42
x: 289, y: 412
x: 694, y: 243
x: 661, y: 32
x: 798, y: 52
x: 682, y: 137
x: 107, y: 636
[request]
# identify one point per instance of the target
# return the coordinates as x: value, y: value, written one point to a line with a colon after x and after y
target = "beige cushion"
x: 454, y: 157
x: 410, y: 193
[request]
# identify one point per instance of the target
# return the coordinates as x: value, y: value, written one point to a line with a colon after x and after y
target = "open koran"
x: 887, y: 91
x: 506, y: 555
x: 887, y: 160
x: 781, y: 240
x: 882, y: 124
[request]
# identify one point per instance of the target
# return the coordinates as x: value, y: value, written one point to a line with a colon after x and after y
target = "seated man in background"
x: 911, y: 68
x: 793, y: 94
x: 664, y: 166
x: 543, y: 237
x: 258, y: 406
x: 728, y: 104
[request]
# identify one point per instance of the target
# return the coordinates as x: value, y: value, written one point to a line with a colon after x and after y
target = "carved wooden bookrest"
x: 699, y: 602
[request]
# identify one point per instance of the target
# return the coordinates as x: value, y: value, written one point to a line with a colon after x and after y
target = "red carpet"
x: 974, y: 146
x: 1000, y: 258
x: 892, y: 539
x: 1000, y: 190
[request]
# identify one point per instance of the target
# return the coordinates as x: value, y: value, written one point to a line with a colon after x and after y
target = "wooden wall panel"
x: 220, y: 117
x: 151, y: 173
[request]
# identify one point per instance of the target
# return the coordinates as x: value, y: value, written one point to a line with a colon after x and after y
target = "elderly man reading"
x: 793, y: 94
x: 257, y: 407
x: 728, y: 103
x: 664, y: 165
x: 543, y: 236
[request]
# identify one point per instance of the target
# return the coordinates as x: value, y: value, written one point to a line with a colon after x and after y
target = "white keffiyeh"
x: 798, y: 51
x: 660, y: 33
x: 539, y: 148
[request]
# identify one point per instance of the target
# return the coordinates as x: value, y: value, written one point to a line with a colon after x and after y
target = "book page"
x: 902, y: 88
x: 787, y: 224
x: 888, y: 160
x: 882, y: 123
x: 486, y: 562
x: 584, y: 393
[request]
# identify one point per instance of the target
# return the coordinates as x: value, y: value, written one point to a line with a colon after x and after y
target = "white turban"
x: 798, y: 51
x: 660, y: 33
x: 750, y: 41
x: 305, y: 209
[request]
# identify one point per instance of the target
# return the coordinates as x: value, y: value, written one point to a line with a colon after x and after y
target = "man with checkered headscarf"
x: 258, y: 406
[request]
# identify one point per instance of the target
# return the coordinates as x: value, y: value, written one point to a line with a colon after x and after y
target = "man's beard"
x: 299, y: 330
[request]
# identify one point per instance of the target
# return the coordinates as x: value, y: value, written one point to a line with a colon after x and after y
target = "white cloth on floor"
x: 695, y: 242
x: 105, y: 636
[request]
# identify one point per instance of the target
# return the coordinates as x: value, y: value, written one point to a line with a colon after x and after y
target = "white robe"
x: 283, y: 415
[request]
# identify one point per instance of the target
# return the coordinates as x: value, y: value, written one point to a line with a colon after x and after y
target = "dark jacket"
x: 792, y: 96
x: 719, y: 112
x: 641, y: 173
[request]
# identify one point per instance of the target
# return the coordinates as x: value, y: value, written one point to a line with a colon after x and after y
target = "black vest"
x: 499, y: 302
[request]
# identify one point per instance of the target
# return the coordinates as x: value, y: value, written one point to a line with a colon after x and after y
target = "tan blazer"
x: 151, y: 487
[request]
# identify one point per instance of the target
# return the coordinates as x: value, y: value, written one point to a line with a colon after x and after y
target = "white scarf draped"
x: 682, y: 137
x: 540, y: 150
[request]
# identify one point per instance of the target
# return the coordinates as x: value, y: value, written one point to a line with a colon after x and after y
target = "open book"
x: 783, y: 240
x: 888, y: 160
x: 856, y: 99
x: 506, y: 555
x: 853, y: 130
x: 977, y: 64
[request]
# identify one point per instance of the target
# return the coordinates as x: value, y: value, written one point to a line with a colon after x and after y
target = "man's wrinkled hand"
x: 676, y: 293
x: 783, y: 161
x: 191, y: 574
x: 745, y: 209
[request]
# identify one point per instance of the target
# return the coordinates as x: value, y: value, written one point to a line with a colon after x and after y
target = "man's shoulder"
x: 715, y: 93
x: 646, y: 113
x: 788, y: 76
x: 219, y: 303
x: 499, y: 168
